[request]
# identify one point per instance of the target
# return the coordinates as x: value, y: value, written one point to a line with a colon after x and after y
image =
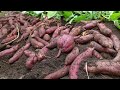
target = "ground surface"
x: 49, y: 65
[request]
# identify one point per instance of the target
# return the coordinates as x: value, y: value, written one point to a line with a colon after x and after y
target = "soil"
x: 49, y: 65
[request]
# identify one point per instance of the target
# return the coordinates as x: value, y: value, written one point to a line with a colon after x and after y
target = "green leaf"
x: 117, y: 23
x: 51, y: 14
x: 81, y: 17
x: 114, y: 16
x: 67, y: 14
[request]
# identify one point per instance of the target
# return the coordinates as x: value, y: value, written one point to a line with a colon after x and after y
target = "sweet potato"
x: 97, y: 54
x: 30, y: 62
x: 117, y: 58
x: 84, y: 39
x: 99, y: 48
x: 116, y: 41
x: 57, y: 31
x: 90, y: 25
x: 8, y: 51
x: 41, y: 40
x: 59, y: 73
x: 29, y: 53
x: 3, y: 32
x: 8, y: 39
x: 51, y: 29
x: 46, y: 37
x: 66, y: 31
x: 53, y: 43
x: 110, y: 42
x: 19, y: 53
x: 91, y: 31
x: 65, y: 43
x: 75, y: 31
x: 104, y: 30
x: 102, y: 40
x: 35, y: 33
x: 26, y: 33
x: 108, y: 67
x: 76, y: 63
x: 42, y: 53
x: 32, y: 59
x: 41, y: 31
x: 36, y: 43
x: 71, y: 56
x: 86, y: 22
x: 13, y: 32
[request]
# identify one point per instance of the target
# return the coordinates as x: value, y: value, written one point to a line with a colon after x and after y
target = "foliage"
x: 77, y: 16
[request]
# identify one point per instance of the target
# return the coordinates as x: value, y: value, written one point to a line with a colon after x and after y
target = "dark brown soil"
x: 49, y: 65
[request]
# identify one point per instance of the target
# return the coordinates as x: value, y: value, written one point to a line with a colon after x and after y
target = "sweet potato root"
x: 53, y: 43
x: 116, y: 42
x: 18, y: 54
x: 75, y: 31
x: 99, y: 48
x: 6, y: 40
x: 3, y: 32
x: 90, y: 25
x: 42, y: 53
x: 59, y: 73
x: 76, y: 63
x: 36, y: 43
x: 65, y: 43
x: 51, y: 29
x: 97, y: 54
x: 35, y: 33
x: 41, y: 40
x: 71, y: 56
x: 91, y: 31
x: 32, y: 59
x: 29, y: 53
x: 41, y: 31
x: 57, y: 31
x: 108, y: 67
x: 102, y: 40
x: 117, y: 58
x: 30, y: 62
x: 46, y: 37
x: 84, y: 39
x: 66, y: 31
x: 8, y: 51
x: 104, y: 30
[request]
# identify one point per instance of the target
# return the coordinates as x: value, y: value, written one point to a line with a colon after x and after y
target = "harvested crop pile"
x: 34, y: 39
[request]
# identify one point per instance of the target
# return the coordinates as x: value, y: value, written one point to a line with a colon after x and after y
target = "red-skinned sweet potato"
x: 108, y: 67
x: 90, y: 25
x: 41, y: 31
x: 75, y: 31
x: 36, y: 43
x: 59, y: 73
x: 97, y: 54
x: 99, y: 48
x: 66, y: 31
x: 74, y: 68
x: 51, y: 29
x: 116, y: 41
x: 42, y: 53
x: 6, y: 40
x: 30, y: 62
x: 57, y: 31
x: 102, y: 40
x: 41, y: 40
x: 71, y: 56
x: 117, y: 58
x: 65, y: 43
x: 84, y: 39
x: 46, y: 37
x: 19, y: 53
x: 8, y: 51
x: 53, y: 43
x: 104, y: 30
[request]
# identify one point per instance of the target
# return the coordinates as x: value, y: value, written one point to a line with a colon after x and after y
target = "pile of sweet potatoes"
x: 47, y: 34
